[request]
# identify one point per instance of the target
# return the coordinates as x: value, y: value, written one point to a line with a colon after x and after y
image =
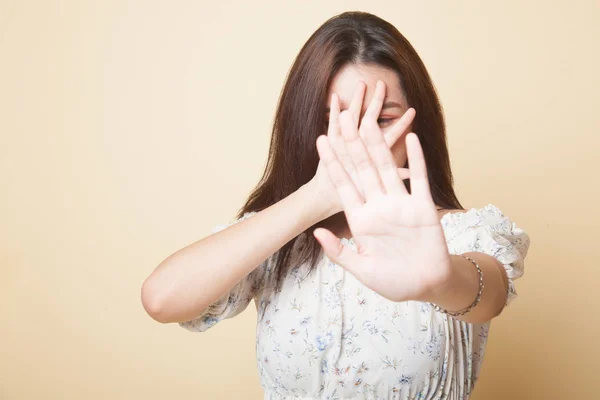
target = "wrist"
x: 458, y: 287
x: 317, y: 208
x: 439, y: 285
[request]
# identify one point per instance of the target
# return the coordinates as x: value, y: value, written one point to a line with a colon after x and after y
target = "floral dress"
x: 324, y: 335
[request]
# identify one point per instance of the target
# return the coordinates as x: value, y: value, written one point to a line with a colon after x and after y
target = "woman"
x: 370, y: 278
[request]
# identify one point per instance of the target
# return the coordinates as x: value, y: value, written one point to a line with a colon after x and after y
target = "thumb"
x: 335, y: 250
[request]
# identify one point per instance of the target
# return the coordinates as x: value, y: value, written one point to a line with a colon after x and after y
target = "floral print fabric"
x: 324, y: 335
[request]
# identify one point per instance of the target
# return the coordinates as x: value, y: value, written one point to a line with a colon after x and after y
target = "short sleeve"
x: 233, y: 302
x: 489, y: 231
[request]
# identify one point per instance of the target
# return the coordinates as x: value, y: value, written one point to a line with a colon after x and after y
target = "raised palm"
x: 401, y: 251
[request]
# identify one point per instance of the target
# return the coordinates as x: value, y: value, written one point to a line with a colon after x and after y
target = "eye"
x: 384, y: 121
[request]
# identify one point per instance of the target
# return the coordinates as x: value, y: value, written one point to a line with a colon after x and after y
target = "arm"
x: 187, y: 282
x: 461, y: 285
x: 401, y: 247
x: 498, y: 246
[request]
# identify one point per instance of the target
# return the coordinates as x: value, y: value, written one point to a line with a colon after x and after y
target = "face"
x: 345, y: 83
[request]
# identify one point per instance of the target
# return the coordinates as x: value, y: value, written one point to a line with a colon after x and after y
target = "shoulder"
x: 479, y: 213
x: 442, y: 213
x: 488, y: 230
x: 489, y: 219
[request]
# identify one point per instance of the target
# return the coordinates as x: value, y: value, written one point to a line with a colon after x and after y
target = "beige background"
x: 128, y: 129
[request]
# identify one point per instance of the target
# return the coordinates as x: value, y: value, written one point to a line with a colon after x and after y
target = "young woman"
x: 370, y: 278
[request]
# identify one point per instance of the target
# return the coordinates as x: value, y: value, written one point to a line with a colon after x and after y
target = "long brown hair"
x: 351, y: 37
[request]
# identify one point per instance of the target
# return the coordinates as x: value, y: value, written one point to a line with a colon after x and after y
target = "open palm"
x: 401, y: 250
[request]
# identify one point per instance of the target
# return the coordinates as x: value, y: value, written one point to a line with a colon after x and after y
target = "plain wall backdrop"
x: 130, y: 128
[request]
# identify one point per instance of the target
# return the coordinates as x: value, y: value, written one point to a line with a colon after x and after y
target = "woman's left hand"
x: 401, y: 246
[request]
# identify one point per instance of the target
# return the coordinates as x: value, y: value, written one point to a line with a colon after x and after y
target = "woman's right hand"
x: 321, y: 184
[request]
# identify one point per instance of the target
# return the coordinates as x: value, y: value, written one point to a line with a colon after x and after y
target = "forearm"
x: 188, y: 281
x: 462, y: 285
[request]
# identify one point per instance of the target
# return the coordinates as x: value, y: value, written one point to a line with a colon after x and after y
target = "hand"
x: 401, y: 247
x: 321, y: 183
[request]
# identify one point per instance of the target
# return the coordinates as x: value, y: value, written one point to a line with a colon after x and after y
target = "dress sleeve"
x: 236, y: 300
x: 489, y: 231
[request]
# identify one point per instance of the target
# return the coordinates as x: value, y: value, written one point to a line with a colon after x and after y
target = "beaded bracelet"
x: 477, y: 299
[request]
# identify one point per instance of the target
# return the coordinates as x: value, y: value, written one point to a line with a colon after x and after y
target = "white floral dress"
x: 325, y: 335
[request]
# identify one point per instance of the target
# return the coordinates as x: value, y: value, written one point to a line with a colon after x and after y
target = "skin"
x: 403, y: 255
x: 354, y: 78
x: 401, y: 247
x: 355, y: 83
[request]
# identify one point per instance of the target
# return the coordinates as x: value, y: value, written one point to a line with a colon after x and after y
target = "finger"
x: 365, y: 168
x: 419, y: 181
x: 378, y: 150
x: 404, y: 173
x: 337, y: 141
x: 400, y: 127
x: 374, y: 108
x: 356, y: 104
x: 334, y: 112
x: 341, y: 255
x: 385, y: 163
x: 349, y: 196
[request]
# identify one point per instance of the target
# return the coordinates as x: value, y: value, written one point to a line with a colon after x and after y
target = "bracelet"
x: 477, y: 299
